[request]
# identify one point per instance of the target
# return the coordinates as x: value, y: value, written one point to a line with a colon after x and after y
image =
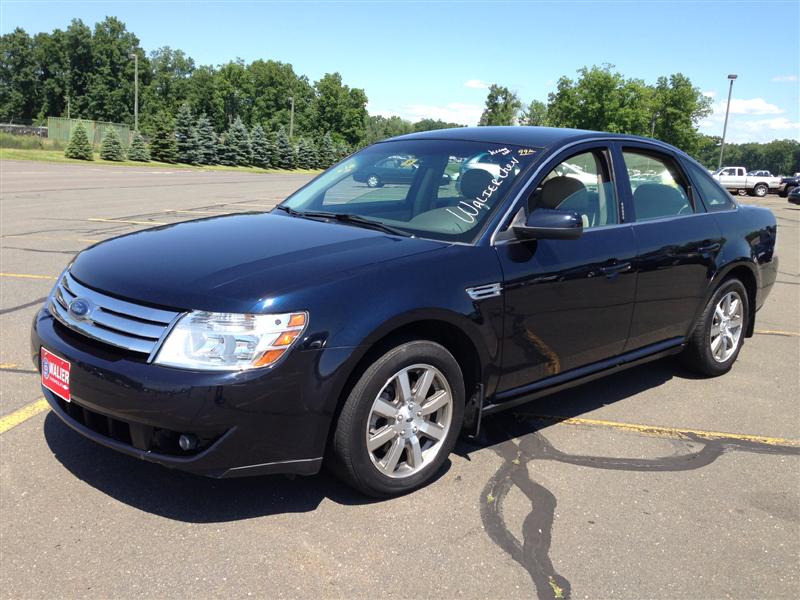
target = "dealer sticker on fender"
x: 55, y: 374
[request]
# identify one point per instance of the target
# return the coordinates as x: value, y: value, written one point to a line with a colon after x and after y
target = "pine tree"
x: 186, y: 136
x: 163, y: 146
x: 79, y: 146
x: 327, y: 151
x: 260, y: 144
x: 306, y: 154
x: 111, y: 146
x: 138, y: 151
x: 206, y: 141
x: 284, y: 152
x: 225, y: 154
x: 238, y: 142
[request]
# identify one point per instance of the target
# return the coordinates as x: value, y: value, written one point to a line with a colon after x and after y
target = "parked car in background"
x: 738, y: 180
x: 794, y: 195
x: 394, y: 169
x: 368, y: 329
x: 788, y: 184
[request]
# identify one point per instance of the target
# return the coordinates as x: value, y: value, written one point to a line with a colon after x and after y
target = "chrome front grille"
x: 123, y: 324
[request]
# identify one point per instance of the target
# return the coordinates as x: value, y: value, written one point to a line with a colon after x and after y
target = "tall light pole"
x: 135, y: 58
x: 725, y: 127
x: 291, y: 117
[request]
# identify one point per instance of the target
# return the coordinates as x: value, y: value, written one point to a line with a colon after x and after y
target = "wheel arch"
x: 745, y: 272
x: 437, y: 328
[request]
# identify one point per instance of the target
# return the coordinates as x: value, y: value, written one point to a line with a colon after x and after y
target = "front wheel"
x: 716, y: 341
x: 400, y: 421
x: 374, y: 181
x: 760, y: 190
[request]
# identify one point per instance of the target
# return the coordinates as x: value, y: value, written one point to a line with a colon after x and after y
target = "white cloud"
x: 477, y: 84
x: 784, y: 78
x: 710, y: 94
x: 454, y: 112
x: 752, y: 106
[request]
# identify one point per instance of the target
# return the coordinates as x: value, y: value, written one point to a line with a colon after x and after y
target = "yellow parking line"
x: 8, y: 366
x: 125, y: 221
x: 671, y: 432
x: 776, y: 332
x: 23, y: 414
x: 26, y: 276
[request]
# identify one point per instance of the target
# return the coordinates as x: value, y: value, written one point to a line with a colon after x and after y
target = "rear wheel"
x: 716, y: 341
x: 741, y: 192
x: 760, y: 190
x: 374, y: 181
x: 400, y: 421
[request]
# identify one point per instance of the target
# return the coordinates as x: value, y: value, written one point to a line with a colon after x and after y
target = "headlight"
x: 230, y: 341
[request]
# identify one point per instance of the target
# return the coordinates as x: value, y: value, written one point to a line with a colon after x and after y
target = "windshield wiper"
x: 289, y: 210
x: 346, y: 218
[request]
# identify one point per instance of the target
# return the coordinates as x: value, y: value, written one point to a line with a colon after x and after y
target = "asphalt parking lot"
x: 651, y: 483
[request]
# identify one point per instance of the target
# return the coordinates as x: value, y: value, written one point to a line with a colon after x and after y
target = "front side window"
x: 581, y: 183
x: 437, y: 189
x: 714, y: 197
x: 658, y: 187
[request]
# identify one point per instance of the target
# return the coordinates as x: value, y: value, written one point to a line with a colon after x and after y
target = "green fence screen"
x: 60, y: 128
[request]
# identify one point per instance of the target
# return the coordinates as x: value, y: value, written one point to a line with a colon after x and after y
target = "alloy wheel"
x: 409, y: 421
x: 726, y: 326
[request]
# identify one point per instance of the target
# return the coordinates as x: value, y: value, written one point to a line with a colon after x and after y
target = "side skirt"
x: 574, y: 377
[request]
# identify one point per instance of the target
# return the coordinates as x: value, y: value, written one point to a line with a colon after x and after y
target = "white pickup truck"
x: 739, y: 180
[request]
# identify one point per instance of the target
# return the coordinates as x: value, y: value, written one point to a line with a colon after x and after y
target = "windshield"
x: 438, y: 189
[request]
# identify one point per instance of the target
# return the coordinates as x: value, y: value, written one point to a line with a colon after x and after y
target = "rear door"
x: 677, y: 243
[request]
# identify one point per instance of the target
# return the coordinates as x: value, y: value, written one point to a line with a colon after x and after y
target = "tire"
x: 699, y: 355
x: 741, y: 192
x: 374, y: 181
x: 760, y: 190
x: 374, y: 409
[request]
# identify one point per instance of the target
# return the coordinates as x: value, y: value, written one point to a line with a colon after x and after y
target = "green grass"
x: 29, y: 142
x: 57, y: 156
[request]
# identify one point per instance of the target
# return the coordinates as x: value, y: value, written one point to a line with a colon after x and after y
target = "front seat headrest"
x: 556, y: 190
x: 474, y: 182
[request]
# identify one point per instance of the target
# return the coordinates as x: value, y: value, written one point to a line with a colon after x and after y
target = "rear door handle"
x: 709, y: 248
x: 611, y: 270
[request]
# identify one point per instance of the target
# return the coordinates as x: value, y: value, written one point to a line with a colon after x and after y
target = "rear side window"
x: 658, y: 186
x: 714, y: 197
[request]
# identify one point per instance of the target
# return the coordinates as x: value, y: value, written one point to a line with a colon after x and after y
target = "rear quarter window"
x: 714, y: 197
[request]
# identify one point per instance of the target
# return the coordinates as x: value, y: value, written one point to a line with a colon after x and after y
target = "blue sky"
x: 433, y: 59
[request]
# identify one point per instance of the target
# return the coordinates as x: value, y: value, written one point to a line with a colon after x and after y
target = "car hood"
x: 233, y: 263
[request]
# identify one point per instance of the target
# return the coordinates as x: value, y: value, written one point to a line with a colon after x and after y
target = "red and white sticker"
x: 55, y: 374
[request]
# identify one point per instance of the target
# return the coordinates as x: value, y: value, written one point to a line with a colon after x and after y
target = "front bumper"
x: 247, y: 423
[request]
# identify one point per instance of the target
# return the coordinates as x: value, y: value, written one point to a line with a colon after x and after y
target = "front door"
x: 568, y: 303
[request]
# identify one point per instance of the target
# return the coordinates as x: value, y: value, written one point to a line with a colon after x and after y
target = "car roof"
x: 521, y: 135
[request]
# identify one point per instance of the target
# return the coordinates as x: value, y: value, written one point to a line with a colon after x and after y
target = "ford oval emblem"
x: 45, y: 368
x: 80, y: 308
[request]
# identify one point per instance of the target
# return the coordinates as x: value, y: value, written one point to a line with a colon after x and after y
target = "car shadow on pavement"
x: 191, y: 498
x: 574, y: 402
x: 186, y: 497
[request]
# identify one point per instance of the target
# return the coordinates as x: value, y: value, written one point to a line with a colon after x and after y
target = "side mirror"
x: 551, y: 224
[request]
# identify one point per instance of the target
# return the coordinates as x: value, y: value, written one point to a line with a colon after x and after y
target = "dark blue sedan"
x: 367, y: 327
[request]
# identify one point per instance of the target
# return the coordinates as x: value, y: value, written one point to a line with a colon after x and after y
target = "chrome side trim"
x: 482, y: 292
